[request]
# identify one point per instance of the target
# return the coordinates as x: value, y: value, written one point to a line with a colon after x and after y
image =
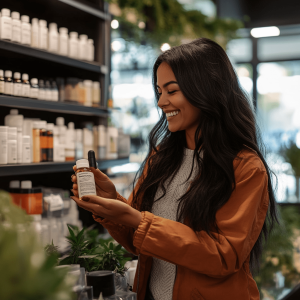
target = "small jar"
x: 8, y: 85
x: 2, y: 82
x: 25, y: 31
x: 48, y: 94
x: 90, y: 50
x: 34, y: 89
x: 42, y: 94
x: 16, y: 27
x: 43, y: 35
x: 85, y: 178
x: 73, y: 45
x: 54, y: 91
x: 25, y: 86
x: 96, y: 93
x: 5, y: 25
x: 63, y: 41
x: 53, y: 38
x: 88, y: 92
x: 35, y: 33
x: 17, y: 84
x: 82, y: 53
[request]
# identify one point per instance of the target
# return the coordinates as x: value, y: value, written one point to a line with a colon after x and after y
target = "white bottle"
x: 73, y: 45
x: 8, y: 85
x: 58, y: 149
x: 96, y: 93
x: 35, y: 33
x: 25, y: 86
x: 90, y: 50
x: 6, y: 29
x: 12, y: 145
x: 63, y: 41
x: 88, y: 87
x: 62, y: 131
x: 42, y: 91
x: 16, y: 27
x: 79, y: 144
x: 26, y: 151
x: 54, y: 91
x: 16, y: 120
x: 3, y: 145
x: 2, y: 82
x: 43, y: 35
x: 34, y: 88
x: 17, y: 85
x: 70, y: 142
x: 53, y: 38
x: 37, y: 227
x: 82, y: 46
x: 25, y: 30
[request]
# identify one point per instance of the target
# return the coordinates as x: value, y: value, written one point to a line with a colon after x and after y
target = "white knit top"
x: 162, y: 277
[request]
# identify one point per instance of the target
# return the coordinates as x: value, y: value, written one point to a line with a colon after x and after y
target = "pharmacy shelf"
x: 53, y: 167
x: 51, y: 57
x: 87, y: 8
x: 60, y: 107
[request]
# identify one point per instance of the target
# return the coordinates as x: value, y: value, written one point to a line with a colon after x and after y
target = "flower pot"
x: 102, y: 282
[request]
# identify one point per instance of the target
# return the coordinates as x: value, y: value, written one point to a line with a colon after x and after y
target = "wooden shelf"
x: 52, y: 57
x: 53, y: 167
x: 60, y: 107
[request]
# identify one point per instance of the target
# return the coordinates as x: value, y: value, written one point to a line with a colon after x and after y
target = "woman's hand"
x: 116, y: 211
x: 104, y: 186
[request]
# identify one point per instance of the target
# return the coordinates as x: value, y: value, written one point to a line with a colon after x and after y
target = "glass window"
x: 279, y: 47
x: 245, y: 75
x: 240, y: 50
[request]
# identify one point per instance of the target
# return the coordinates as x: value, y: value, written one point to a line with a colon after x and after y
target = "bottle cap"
x: 96, y: 84
x: 35, y: 21
x: 15, y: 15
x: 90, y: 41
x: 83, y: 37
x: 14, y: 184
x: 63, y: 30
x: 87, y: 83
x: 53, y: 26
x: 26, y: 139
x: 3, y: 129
x: 92, y: 159
x: 43, y: 124
x: 60, y: 121
x: 25, y: 19
x: 36, y: 124
x: 43, y: 23
x: 17, y: 75
x: 25, y: 76
x: 34, y: 81
x: 14, y: 112
x: 71, y: 125
x: 73, y: 34
x: 8, y: 73
x: 1, y: 73
x: 50, y: 126
x: 26, y: 184
x: 82, y: 163
x: 5, y: 12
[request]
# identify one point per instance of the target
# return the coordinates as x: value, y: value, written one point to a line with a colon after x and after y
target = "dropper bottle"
x: 92, y: 159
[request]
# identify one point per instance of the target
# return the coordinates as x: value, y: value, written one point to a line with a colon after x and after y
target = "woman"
x: 204, y: 200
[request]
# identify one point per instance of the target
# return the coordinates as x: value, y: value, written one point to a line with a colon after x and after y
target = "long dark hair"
x: 227, y: 123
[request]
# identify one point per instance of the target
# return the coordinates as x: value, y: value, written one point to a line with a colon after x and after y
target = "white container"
x: 102, y: 140
x: 42, y: 92
x: 16, y: 27
x: 58, y: 149
x: 3, y: 144
x: 96, y: 93
x: 37, y: 227
x: 43, y: 35
x: 53, y: 38
x: 85, y: 180
x: 6, y: 26
x: 34, y: 88
x: 25, y: 86
x: 35, y: 33
x: 90, y: 50
x: 54, y: 92
x: 8, y: 85
x: 26, y: 151
x: 25, y: 30
x: 17, y: 85
x: 73, y: 44
x: 63, y: 41
x: 70, y: 142
x: 112, y: 143
x: 79, y: 144
x: 82, y: 53
x: 12, y: 145
x: 88, y: 87
x: 2, y: 81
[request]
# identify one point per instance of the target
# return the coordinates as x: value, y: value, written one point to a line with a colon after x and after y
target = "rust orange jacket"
x: 206, y: 269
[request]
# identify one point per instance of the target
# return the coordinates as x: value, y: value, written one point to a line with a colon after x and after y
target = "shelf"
x: 53, y: 167
x: 88, y: 9
x: 60, y: 107
x: 51, y: 57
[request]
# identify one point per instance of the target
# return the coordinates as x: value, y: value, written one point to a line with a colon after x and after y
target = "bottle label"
x: 26, y: 34
x: 18, y: 89
x: 2, y: 87
x: 6, y: 30
x: 53, y: 43
x: 26, y: 154
x: 8, y: 88
x: 12, y: 153
x: 16, y: 33
x: 25, y: 90
x: 42, y: 95
x: 63, y: 46
x: 3, y: 150
x: 34, y: 93
x: 35, y: 37
x: 86, y: 184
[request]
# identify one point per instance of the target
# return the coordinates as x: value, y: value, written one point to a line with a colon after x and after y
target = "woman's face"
x: 180, y: 113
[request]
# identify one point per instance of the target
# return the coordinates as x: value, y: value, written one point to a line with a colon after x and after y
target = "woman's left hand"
x: 116, y: 211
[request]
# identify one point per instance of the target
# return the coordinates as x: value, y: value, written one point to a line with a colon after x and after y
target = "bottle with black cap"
x: 92, y: 159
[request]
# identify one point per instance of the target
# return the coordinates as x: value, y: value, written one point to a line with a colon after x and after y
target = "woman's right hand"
x: 104, y: 186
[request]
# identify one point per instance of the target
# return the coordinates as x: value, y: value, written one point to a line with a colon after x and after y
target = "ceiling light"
x: 265, y: 31
x: 114, y: 24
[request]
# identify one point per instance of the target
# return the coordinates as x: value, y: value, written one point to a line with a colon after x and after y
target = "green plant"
x: 52, y: 250
x: 27, y: 273
x: 291, y: 153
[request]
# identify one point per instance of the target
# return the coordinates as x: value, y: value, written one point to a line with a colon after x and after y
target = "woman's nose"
x: 163, y: 100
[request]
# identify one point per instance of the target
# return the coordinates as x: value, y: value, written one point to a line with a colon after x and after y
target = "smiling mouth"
x: 172, y: 114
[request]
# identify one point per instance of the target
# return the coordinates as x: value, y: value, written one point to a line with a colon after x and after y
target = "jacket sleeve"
x: 240, y: 222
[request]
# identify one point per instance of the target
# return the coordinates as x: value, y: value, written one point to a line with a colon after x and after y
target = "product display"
x: 5, y: 25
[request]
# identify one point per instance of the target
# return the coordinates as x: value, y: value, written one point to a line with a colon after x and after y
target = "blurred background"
x: 123, y: 39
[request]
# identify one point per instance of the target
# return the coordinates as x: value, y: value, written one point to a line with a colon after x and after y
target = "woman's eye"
x: 171, y: 92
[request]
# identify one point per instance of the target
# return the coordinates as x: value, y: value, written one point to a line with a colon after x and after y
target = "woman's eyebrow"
x: 166, y: 84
